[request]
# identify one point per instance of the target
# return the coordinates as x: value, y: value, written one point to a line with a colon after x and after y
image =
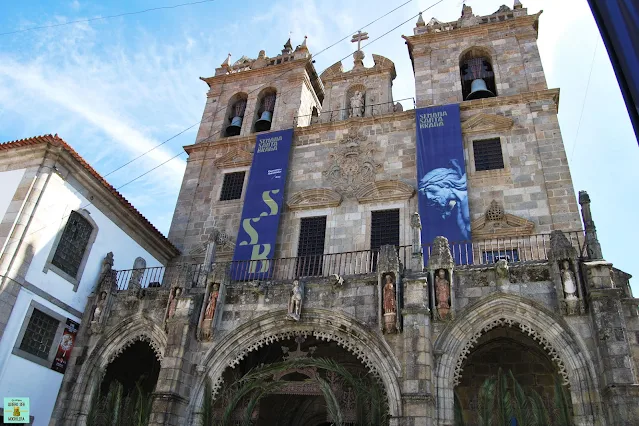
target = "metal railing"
x: 341, y: 114
x: 476, y: 252
x: 513, y: 249
x: 288, y: 268
x: 184, y: 275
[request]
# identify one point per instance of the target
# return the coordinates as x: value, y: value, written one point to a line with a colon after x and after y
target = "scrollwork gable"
x: 234, y: 158
x: 384, y: 190
x: 496, y: 223
x: 486, y: 123
x: 316, y: 198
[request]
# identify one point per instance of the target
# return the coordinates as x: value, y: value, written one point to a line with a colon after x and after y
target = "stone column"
x: 617, y: 375
x: 592, y: 242
x: 417, y: 386
x: 172, y: 392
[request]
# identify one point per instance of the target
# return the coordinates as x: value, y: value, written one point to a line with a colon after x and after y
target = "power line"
x: 274, y: 79
x: 583, y: 104
x: 254, y: 90
x: 98, y: 18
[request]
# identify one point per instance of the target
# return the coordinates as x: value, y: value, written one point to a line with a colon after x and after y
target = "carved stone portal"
x: 352, y: 163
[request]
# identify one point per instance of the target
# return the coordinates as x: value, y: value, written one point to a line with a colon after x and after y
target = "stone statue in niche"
x: 389, y: 305
x: 173, y: 302
x: 442, y: 292
x: 357, y: 104
x: 99, y: 307
x: 295, y: 301
x: 569, y: 281
x: 209, y: 312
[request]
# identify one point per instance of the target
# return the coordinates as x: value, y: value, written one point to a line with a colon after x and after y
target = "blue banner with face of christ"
x: 441, y: 177
x: 257, y: 235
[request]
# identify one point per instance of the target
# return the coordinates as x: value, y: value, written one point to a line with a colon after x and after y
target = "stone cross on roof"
x: 359, y: 37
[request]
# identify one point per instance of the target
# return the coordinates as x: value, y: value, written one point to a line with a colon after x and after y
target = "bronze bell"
x: 235, y: 127
x: 264, y: 123
x: 478, y: 90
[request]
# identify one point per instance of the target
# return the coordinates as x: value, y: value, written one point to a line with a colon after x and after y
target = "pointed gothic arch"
x: 372, y: 350
x: 114, y: 341
x: 553, y: 335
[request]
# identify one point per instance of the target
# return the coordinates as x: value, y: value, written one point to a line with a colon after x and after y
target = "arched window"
x: 72, y: 247
x: 477, y: 76
x: 266, y: 106
x: 235, y: 114
x: 314, y: 115
x: 356, y: 101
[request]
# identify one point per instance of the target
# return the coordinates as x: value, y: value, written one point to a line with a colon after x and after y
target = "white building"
x: 58, y: 220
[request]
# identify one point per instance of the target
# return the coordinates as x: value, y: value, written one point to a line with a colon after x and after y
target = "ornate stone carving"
x: 234, y: 158
x: 209, y: 312
x: 298, y: 353
x: 440, y: 256
x: 352, y: 163
x: 336, y: 280
x: 295, y: 301
x: 504, y: 322
x: 501, y: 270
x: 495, y: 223
x: 357, y: 105
x: 389, y: 305
x: 173, y: 300
x: 384, y: 190
x: 442, y: 291
x: 136, y: 273
x: 486, y: 123
x: 142, y: 337
x: 98, y: 312
x: 569, y: 281
x: 314, y: 199
x: 592, y: 242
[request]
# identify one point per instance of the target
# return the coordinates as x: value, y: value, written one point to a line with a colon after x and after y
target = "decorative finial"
x: 227, y: 62
x: 420, y: 20
x: 517, y: 5
x: 287, y: 46
x: 302, y: 47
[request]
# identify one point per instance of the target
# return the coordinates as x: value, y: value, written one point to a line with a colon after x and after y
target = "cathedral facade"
x: 335, y: 268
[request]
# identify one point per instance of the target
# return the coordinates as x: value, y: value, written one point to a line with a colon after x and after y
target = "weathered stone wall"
x: 511, y: 47
x: 378, y: 90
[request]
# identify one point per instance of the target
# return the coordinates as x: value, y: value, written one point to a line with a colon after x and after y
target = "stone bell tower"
x: 245, y: 97
x: 262, y: 94
x: 515, y: 157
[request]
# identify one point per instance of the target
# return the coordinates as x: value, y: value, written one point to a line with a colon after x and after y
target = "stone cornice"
x: 251, y: 74
x: 315, y: 198
x: 477, y: 104
x: 474, y: 31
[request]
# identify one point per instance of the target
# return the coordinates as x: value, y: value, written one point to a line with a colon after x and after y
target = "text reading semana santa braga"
x: 270, y: 144
x: 432, y: 119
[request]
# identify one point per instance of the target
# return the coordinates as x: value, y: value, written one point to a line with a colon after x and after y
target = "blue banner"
x: 618, y: 22
x: 441, y: 178
x: 257, y: 234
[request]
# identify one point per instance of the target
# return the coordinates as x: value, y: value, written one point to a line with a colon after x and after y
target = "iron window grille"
x: 73, y: 243
x: 492, y: 256
x: 488, y: 155
x: 384, y: 231
x: 39, y: 335
x: 232, y: 186
x: 310, y: 249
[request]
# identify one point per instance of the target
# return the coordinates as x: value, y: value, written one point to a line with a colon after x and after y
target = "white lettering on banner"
x: 432, y: 119
x: 269, y: 144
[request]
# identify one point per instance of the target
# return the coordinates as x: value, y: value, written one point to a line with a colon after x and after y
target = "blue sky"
x: 114, y: 88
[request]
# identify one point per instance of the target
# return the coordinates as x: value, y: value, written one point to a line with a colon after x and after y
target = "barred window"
x: 488, y: 155
x: 232, y: 186
x: 384, y: 228
x: 39, y: 335
x: 73, y: 244
x: 310, y: 249
x: 492, y: 256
